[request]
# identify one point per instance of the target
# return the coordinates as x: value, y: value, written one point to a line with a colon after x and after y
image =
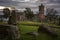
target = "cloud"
x: 29, y: 1
x: 33, y: 4
x: 8, y: 3
x: 55, y: 1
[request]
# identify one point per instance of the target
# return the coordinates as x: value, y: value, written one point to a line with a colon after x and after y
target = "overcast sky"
x: 33, y: 4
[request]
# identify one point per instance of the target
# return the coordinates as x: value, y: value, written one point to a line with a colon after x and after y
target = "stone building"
x: 38, y: 16
x: 21, y: 16
x: 41, y: 15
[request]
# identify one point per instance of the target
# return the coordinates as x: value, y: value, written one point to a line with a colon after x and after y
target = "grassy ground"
x: 35, y: 23
x: 25, y: 29
x: 41, y: 36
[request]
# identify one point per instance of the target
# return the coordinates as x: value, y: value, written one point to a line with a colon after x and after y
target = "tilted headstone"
x: 9, y: 31
x: 47, y: 31
x: 12, y: 18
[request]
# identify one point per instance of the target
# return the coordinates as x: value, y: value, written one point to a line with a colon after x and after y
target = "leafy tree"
x: 29, y: 14
x: 51, y: 14
x: 6, y: 12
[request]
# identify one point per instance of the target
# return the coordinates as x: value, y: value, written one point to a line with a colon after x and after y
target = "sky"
x: 33, y: 4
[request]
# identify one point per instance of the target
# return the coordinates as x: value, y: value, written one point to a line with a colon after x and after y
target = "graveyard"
x: 16, y: 24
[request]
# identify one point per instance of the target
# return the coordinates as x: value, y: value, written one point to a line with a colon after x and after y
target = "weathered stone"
x: 9, y: 31
x: 12, y: 18
x: 3, y: 31
x: 42, y: 29
x: 15, y: 32
x: 32, y: 33
x: 47, y: 31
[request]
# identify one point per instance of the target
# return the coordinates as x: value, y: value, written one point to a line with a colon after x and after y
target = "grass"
x: 24, y: 29
x: 35, y: 23
x: 3, y: 22
x: 29, y: 23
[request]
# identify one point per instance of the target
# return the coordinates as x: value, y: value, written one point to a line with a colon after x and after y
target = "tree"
x: 51, y: 14
x: 29, y: 14
x: 6, y: 12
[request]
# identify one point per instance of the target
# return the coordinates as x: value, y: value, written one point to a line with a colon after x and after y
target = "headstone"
x: 47, y: 31
x: 9, y: 31
x: 12, y: 18
x: 42, y: 29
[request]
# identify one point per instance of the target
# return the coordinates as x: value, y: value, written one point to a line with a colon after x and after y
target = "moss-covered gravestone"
x: 12, y: 18
x: 47, y: 31
x: 9, y: 32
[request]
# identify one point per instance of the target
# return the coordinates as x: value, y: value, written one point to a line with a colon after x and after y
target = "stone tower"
x: 41, y: 12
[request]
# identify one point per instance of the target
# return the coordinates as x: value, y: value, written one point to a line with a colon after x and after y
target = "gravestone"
x: 12, y: 18
x: 47, y: 31
x: 9, y: 31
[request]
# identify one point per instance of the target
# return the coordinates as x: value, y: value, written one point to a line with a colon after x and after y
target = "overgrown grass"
x: 2, y: 22
x: 36, y: 23
x: 29, y: 23
x: 25, y: 28
x: 42, y: 36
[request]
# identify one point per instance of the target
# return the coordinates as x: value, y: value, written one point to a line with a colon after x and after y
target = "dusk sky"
x: 33, y: 4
